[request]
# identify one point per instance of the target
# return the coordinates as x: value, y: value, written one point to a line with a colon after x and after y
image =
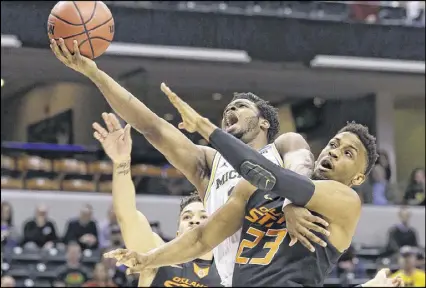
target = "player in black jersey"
x: 135, y: 228
x: 262, y: 258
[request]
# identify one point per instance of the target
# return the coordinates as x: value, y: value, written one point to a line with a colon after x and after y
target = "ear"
x: 358, y: 179
x: 177, y: 233
x: 264, y: 124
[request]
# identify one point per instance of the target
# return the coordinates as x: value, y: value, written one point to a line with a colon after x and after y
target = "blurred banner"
x: 264, y: 38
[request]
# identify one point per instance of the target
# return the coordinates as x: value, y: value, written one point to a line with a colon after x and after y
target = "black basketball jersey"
x: 197, y: 273
x: 264, y: 257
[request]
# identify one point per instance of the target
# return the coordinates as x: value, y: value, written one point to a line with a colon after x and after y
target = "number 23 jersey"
x: 264, y: 258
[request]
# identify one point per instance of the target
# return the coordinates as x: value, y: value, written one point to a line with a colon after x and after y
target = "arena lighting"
x: 370, y: 64
x: 2, y: 82
x: 10, y: 41
x: 178, y: 52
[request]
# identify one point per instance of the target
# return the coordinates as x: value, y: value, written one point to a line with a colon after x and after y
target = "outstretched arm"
x: 190, y: 159
x: 191, y: 244
x: 134, y: 226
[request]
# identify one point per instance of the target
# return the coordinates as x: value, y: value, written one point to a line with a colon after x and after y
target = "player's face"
x: 192, y: 215
x: 242, y: 119
x: 344, y: 159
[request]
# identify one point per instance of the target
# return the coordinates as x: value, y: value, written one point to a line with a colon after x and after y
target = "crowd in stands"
x: 37, y: 255
x: 380, y: 190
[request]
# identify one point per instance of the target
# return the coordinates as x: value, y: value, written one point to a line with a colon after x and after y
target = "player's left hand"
x: 300, y: 222
x: 190, y: 117
x: 383, y: 279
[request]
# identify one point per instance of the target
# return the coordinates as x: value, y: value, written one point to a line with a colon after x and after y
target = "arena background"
x: 322, y: 63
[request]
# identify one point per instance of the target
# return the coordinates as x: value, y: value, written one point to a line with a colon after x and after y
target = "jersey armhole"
x: 212, y: 176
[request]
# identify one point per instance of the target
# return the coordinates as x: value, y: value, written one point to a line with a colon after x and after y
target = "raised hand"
x: 190, y: 117
x: 300, y: 222
x: 115, y: 140
x: 73, y: 60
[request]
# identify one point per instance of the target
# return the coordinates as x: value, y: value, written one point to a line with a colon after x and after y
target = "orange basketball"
x: 88, y: 22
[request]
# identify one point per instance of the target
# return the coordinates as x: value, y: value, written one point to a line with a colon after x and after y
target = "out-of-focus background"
x: 322, y: 63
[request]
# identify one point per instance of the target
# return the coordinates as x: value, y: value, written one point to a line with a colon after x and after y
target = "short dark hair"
x: 267, y: 111
x: 368, y: 140
x: 193, y: 197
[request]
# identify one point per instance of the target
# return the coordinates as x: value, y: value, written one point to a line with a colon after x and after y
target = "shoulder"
x: 290, y: 141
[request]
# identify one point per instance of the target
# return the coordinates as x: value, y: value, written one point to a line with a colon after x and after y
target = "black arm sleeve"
x: 261, y: 172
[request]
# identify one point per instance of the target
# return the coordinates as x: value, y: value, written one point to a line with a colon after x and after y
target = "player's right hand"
x: 136, y: 262
x: 300, y: 222
x: 115, y: 140
x: 75, y: 61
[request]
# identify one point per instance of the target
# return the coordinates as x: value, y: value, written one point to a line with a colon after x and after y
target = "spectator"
x: 117, y: 274
x: 415, y: 192
x: 83, y: 230
x: 100, y: 278
x: 8, y: 233
x: 105, y: 229
x: 383, y: 161
x: 40, y: 231
x: 401, y: 234
x: 378, y: 190
x: 348, y: 263
x: 72, y: 274
x: 7, y: 281
x: 412, y: 276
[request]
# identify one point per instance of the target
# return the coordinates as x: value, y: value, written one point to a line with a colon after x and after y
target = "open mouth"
x: 230, y: 120
x: 327, y: 164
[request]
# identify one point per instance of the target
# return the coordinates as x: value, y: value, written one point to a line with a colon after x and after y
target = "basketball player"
x: 263, y: 259
x: 134, y: 226
x: 247, y: 117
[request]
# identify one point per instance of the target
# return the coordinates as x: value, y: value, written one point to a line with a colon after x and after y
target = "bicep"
x: 181, y: 152
x: 137, y: 233
x: 225, y: 221
x: 337, y: 202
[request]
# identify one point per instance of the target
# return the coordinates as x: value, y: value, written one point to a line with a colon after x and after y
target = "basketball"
x: 89, y: 22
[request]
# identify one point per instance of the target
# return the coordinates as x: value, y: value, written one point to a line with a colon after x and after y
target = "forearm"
x: 261, y: 172
x: 124, y: 103
x: 182, y: 249
x: 123, y: 191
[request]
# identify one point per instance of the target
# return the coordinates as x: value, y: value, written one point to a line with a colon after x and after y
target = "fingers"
x: 114, y: 253
x: 311, y: 236
x: 173, y: 98
x: 114, y: 121
x: 76, y: 49
x: 305, y: 242
x: 101, y: 130
x: 293, y: 240
x: 316, y: 219
x: 107, y: 121
x: 314, y: 227
x: 64, y: 49
x: 57, y: 51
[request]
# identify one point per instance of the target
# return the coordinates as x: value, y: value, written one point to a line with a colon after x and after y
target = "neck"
x: 208, y: 256
x: 258, y: 143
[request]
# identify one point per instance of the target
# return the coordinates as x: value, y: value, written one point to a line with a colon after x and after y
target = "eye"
x: 186, y: 217
x: 204, y: 217
x: 349, y: 154
x: 333, y: 145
